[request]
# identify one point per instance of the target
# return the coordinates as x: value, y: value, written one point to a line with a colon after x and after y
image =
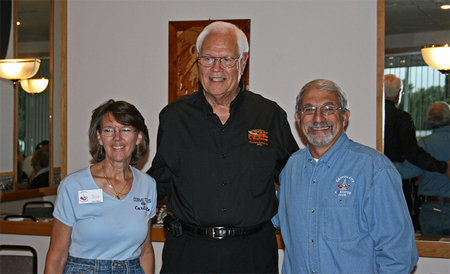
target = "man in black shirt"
x: 219, y: 152
x: 400, y: 141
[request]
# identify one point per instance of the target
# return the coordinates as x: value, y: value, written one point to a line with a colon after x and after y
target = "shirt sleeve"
x: 414, y: 153
x: 159, y: 169
x: 64, y: 210
x: 408, y: 170
x: 152, y: 212
x: 288, y: 143
x: 389, y: 223
x: 276, y: 219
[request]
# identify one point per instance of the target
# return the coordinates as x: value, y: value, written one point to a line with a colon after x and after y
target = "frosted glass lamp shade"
x: 18, y: 69
x: 34, y: 85
x: 437, y: 57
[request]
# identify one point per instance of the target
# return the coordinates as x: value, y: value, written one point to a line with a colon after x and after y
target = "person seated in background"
x: 39, y: 162
x: 434, y: 188
x: 26, y: 165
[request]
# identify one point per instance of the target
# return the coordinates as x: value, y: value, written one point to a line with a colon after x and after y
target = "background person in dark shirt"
x: 400, y: 141
x: 40, y: 169
x: 219, y: 152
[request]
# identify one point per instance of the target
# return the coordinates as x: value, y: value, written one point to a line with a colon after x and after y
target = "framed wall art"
x: 183, y: 70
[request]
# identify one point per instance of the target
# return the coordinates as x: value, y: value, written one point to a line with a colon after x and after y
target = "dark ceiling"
x: 409, y: 16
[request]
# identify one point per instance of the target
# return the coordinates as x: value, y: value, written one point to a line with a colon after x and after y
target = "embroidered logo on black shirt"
x: 258, y: 137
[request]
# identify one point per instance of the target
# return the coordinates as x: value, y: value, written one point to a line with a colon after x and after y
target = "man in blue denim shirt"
x: 342, y: 209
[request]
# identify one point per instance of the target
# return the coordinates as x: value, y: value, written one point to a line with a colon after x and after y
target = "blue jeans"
x: 91, y: 266
x: 435, y: 218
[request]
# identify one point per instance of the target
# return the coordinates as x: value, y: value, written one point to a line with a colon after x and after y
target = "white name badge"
x: 90, y: 196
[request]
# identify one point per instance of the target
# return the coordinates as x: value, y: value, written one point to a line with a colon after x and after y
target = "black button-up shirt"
x: 216, y: 174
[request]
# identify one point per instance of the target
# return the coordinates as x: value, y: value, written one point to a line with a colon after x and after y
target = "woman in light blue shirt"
x: 102, y: 216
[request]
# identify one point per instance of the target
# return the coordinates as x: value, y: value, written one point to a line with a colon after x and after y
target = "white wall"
x: 119, y: 49
x: 7, y: 116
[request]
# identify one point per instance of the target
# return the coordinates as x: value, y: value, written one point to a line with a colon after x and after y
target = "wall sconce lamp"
x: 21, y: 70
x: 437, y: 57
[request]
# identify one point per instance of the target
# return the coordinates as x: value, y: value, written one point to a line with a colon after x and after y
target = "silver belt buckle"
x: 212, y: 232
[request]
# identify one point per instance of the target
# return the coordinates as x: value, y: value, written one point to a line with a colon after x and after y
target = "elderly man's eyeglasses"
x: 225, y: 62
x: 124, y: 132
x: 326, y: 110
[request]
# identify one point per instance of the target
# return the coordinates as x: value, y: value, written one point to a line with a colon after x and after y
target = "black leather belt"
x: 437, y: 199
x: 220, y: 232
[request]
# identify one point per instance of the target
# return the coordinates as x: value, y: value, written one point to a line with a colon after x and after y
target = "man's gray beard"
x: 326, y: 139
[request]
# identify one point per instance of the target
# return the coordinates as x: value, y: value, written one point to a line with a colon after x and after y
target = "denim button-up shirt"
x: 344, y: 213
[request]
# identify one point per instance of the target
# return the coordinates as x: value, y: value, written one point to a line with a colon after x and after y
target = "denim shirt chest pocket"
x: 340, y: 222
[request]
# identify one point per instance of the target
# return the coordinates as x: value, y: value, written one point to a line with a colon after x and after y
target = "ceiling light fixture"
x: 21, y: 70
x: 437, y: 57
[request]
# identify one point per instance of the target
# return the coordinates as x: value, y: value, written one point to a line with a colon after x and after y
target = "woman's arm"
x: 59, y: 248
x: 147, y: 257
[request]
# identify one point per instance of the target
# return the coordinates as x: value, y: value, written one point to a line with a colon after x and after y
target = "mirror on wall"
x: 38, y: 31
x: 409, y: 26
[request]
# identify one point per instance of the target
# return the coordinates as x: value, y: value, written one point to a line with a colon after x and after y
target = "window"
x: 422, y: 86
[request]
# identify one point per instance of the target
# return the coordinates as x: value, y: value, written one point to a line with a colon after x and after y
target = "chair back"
x: 18, y: 263
x: 38, y: 209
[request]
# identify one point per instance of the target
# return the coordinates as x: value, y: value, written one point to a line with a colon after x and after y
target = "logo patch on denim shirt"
x: 258, y: 137
x: 141, y: 203
x: 344, y: 184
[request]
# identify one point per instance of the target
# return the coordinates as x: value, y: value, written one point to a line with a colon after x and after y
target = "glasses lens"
x: 308, y: 110
x: 108, y: 132
x: 328, y: 110
x: 206, y: 61
x: 125, y: 132
x: 228, y: 62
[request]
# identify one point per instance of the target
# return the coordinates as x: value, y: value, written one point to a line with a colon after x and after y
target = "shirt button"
x: 313, y: 271
x: 314, y: 181
x: 312, y: 210
x: 311, y: 240
x: 223, y: 209
x: 223, y: 183
x: 223, y: 155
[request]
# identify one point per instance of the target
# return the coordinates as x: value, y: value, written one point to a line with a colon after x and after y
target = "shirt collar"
x: 442, y: 129
x: 331, y: 156
x: 43, y: 170
x: 234, y: 104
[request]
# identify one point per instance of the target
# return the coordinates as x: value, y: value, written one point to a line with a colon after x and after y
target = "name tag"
x: 90, y: 196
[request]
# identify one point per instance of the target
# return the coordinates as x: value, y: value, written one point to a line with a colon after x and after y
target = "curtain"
x: 34, y: 112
